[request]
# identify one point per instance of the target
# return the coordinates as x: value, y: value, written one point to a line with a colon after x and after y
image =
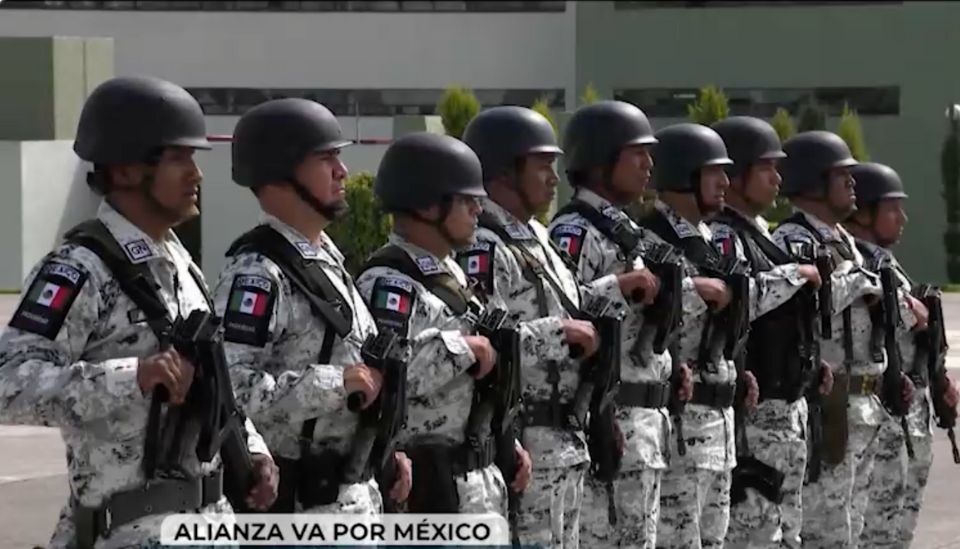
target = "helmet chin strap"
x: 329, y: 211
x: 440, y: 223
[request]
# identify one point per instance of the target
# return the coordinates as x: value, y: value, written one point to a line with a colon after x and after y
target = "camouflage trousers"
x: 829, y: 511
x: 694, y: 508
x: 483, y: 491
x: 758, y: 522
x: 550, y: 508
x: 918, y: 471
x: 362, y: 498
x: 636, y: 502
x: 879, y: 497
x: 142, y: 533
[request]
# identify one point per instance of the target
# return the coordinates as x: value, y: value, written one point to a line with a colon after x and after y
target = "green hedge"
x: 365, y: 228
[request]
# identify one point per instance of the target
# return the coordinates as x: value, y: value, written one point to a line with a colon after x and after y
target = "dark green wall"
x: 912, y: 45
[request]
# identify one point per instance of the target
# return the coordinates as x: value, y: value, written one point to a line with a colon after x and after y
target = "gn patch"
x: 249, y: 308
x: 48, y: 300
x: 569, y: 238
x: 391, y: 303
x: 477, y: 263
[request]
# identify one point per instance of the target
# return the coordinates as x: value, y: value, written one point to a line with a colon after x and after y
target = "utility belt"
x: 436, y: 464
x: 865, y: 385
x: 312, y: 480
x: 643, y: 395
x: 546, y: 413
x: 714, y: 395
x: 161, y: 496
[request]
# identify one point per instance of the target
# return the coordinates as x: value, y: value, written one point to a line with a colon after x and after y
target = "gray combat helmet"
x: 810, y: 157
x: 683, y: 150
x: 876, y: 182
x: 273, y: 138
x: 422, y: 169
x: 129, y: 119
x: 748, y: 140
x: 598, y: 132
x: 501, y: 135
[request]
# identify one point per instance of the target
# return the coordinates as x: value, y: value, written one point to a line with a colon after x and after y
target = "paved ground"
x: 33, y: 484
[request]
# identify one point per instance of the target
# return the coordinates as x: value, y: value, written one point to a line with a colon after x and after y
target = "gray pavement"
x: 33, y: 486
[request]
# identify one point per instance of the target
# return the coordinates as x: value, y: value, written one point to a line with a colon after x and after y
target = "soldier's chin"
x: 337, y: 209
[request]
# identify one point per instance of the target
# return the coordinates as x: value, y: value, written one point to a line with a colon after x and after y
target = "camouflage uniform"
x: 439, y: 389
x: 550, y: 508
x: 830, y: 517
x: 775, y: 430
x: 645, y: 430
x: 695, y: 491
x: 277, y: 380
x: 81, y: 375
x: 890, y: 502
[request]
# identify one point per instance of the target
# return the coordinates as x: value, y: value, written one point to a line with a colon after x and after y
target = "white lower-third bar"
x: 332, y: 530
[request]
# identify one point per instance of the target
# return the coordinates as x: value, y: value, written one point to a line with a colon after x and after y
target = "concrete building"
x: 371, y: 61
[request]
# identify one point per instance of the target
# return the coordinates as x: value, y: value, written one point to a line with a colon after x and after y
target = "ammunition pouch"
x: 436, y: 464
x: 313, y: 480
x: 835, y: 427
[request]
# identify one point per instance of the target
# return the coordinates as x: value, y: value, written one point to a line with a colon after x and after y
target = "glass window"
x: 764, y: 102
x: 363, y: 102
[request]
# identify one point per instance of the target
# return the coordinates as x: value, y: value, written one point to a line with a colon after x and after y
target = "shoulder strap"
x: 619, y: 232
x: 695, y: 248
x: 305, y: 275
x: 442, y: 285
x: 840, y: 247
x: 533, y: 268
x: 747, y: 230
x: 135, y: 280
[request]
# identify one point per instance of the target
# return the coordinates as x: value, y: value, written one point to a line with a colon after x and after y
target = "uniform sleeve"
x: 293, y: 392
x: 44, y: 379
x: 850, y: 281
x: 541, y: 339
x: 768, y: 289
x: 255, y: 442
x: 436, y: 355
x: 594, y: 269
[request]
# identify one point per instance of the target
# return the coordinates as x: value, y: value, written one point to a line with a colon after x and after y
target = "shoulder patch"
x: 519, y: 231
x: 612, y: 212
x: 477, y: 263
x: 569, y: 238
x: 138, y: 250
x: 428, y: 265
x: 46, y: 303
x: 306, y: 249
x: 685, y: 230
x: 391, y: 303
x: 249, y: 308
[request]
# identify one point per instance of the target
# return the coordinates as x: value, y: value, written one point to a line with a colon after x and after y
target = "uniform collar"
x: 759, y: 221
x: 829, y: 233
x: 601, y: 204
x: 426, y: 261
x: 514, y: 227
x: 323, y: 249
x: 138, y: 246
x: 684, y: 228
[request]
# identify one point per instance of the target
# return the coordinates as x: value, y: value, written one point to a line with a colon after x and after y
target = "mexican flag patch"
x: 247, y: 318
x: 47, y: 301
